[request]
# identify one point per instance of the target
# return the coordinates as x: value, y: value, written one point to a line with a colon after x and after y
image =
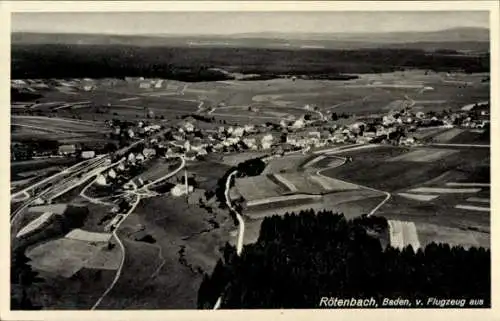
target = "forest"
x: 199, y: 64
x: 302, y: 257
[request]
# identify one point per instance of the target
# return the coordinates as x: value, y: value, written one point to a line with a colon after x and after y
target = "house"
x: 112, y: 173
x: 149, y: 152
x: 249, y: 128
x: 238, y: 131
x: 188, y: 127
x: 88, y: 154
x: 131, y: 158
x: 202, y: 152
x: 67, y: 149
x: 420, y: 115
x: 145, y: 85
x: 180, y: 189
x: 101, y: 180
x: 299, y: 123
x: 120, y: 167
x: 130, y: 133
x: 250, y: 142
x: 159, y: 83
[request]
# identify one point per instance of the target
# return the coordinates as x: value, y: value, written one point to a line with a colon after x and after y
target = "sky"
x: 223, y: 23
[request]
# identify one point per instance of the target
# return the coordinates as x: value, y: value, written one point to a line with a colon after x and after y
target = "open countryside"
x: 161, y: 186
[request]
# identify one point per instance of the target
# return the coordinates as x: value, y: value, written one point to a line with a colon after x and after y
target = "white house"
x: 159, y: 83
x: 101, y: 180
x: 238, y: 131
x: 180, y: 189
x: 131, y: 157
x: 112, y: 173
x: 88, y: 154
x: 250, y: 142
x: 299, y: 123
x: 145, y: 85
x: 131, y: 133
x: 188, y: 127
x: 149, y: 152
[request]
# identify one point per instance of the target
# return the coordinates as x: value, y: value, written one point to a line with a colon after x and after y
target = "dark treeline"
x: 300, y: 258
x: 193, y: 64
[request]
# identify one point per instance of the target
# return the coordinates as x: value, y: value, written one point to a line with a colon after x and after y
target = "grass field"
x: 59, y: 124
x: 64, y: 257
x: 167, y: 273
x: 277, y: 98
x: 288, y: 163
x: 158, y: 168
x: 235, y: 159
x: 372, y: 168
x: 258, y: 187
x: 208, y: 173
x: 79, y: 292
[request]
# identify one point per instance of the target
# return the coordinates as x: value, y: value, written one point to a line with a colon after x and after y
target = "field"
x: 258, y: 187
x: 451, y: 190
x: 64, y: 257
x: 273, y: 99
x: 379, y: 169
x: 288, y: 163
x: 166, y: 272
x: 237, y: 158
x: 157, y: 169
x: 208, y: 173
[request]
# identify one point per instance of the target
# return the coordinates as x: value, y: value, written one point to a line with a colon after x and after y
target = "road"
x: 241, y: 232
x: 239, y: 244
x: 387, y: 194
x: 138, y: 197
x: 122, y: 248
x: 462, y: 145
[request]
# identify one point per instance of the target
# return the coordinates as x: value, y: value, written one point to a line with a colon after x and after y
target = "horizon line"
x: 247, y: 33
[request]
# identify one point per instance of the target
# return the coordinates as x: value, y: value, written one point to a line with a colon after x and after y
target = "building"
x: 159, y: 83
x: 238, y: 131
x: 149, y: 152
x: 101, y: 180
x: 112, y: 173
x: 67, y: 149
x: 145, y: 85
x: 130, y: 133
x: 131, y: 158
x: 250, y: 142
x: 180, y: 189
x: 299, y: 123
x: 88, y: 154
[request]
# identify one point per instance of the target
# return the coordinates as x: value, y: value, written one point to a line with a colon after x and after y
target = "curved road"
x: 239, y: 245
x: 139, y: 196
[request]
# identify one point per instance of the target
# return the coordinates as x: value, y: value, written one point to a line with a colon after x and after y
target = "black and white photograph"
x: 219, y: 160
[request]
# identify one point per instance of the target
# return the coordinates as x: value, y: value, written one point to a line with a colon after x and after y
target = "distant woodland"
x: 194, y: 64
x: 302, y: 257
